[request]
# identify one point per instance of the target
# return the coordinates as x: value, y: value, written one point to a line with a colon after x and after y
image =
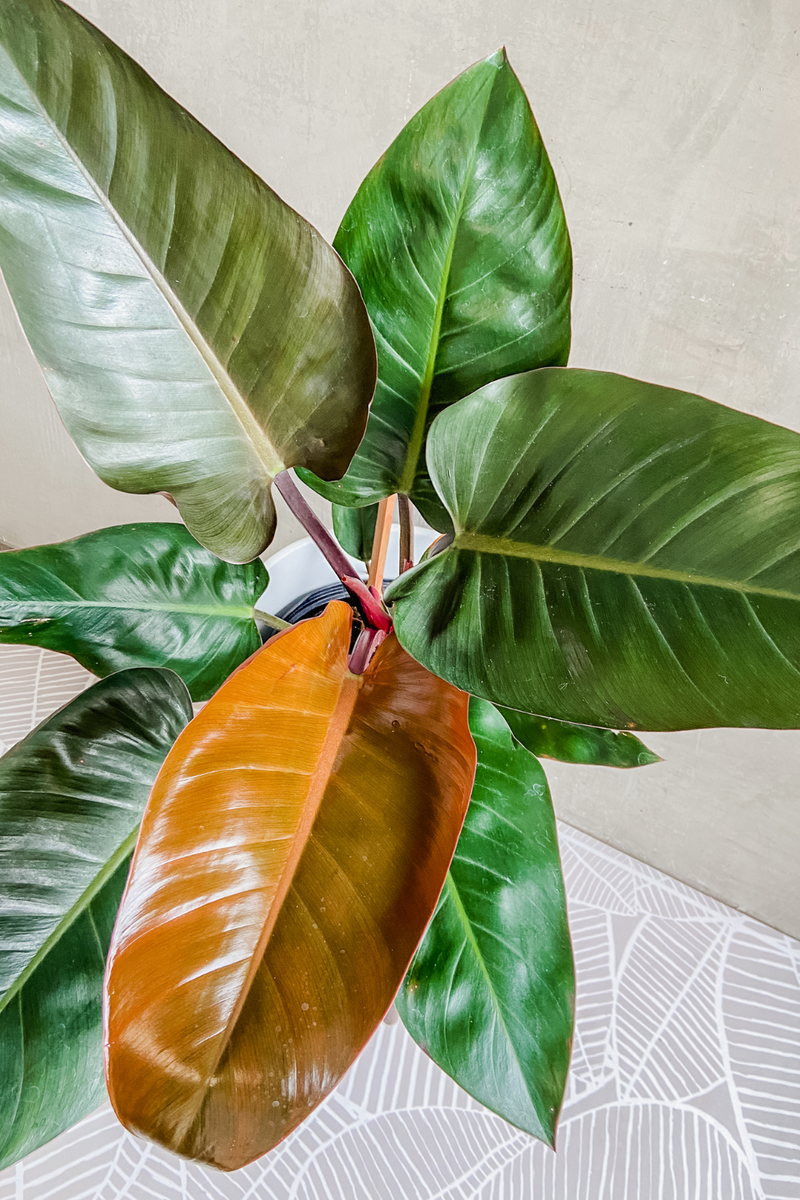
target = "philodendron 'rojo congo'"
x: 359, y: 813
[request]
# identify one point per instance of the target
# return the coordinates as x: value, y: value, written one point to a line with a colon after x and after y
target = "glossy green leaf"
x: 134, y: 595
x: 71, y: 798
x: 355, y: 529
x: 490, y: 993
x: 567, y: 742
x: 625, y: 555
x: 458, y: 240
x: 197, y: 334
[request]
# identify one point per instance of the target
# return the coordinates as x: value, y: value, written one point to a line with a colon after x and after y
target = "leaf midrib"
x: 507, y: 548
x: 201, y: 610
x: 453, y: 892
x: 76, y: 910
x: 417, y: 438
x: 256, y: 437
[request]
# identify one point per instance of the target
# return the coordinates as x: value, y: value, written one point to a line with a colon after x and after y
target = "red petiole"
x: 378, y: 622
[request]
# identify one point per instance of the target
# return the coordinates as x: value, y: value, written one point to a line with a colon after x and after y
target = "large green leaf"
x: 134, y: 595
x: 71, y: 798
x: 625, y: 555
x: 459, y: 243
x: 197, y: 334
x: 571, y: 743
x: 490, y: 992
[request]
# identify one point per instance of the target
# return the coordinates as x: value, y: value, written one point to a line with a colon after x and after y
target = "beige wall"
x: 673, y: 129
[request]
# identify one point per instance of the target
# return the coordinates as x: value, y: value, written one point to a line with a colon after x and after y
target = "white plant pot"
x: 300, y: 568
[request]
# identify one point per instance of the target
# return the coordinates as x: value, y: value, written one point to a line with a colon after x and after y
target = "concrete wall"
x: 673, y: 129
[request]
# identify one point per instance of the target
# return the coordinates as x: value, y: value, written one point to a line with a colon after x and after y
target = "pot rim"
x: 299, y: 568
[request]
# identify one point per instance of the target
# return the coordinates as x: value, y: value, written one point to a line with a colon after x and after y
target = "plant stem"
x: 336, y: 558
x: 371, y: 606
x: 406, y: 551
x: 273, y: 622
x: 366, y: 645
x: 380, y: 545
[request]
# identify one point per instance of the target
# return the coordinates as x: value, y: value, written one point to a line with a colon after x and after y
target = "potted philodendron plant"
x: 358, y: 813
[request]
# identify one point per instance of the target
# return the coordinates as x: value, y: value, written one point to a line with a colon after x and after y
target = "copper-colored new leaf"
x: 291, y: 854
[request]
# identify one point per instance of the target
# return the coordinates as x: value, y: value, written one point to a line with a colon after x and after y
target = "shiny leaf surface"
x: 355, y: 529
x: 572, y: 743
x: 292, y: 852
x: 71, y: 797
x: 197, y: 334
x: 625, y: 555
x: 458, y: 240
x: 490, y: 993
x: 134, y: 595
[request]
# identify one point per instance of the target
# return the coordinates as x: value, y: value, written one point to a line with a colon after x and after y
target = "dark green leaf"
x: 71, y: 797
x: 459, y: 243
x: 490, y: 992
x: 134, y: 595
x: 625, y: 555
x: 572, y: 743
x: 355, y: 529
x: 196, y: 333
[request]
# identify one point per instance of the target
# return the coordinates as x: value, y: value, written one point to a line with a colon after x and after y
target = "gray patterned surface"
x: 685, y: 1080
